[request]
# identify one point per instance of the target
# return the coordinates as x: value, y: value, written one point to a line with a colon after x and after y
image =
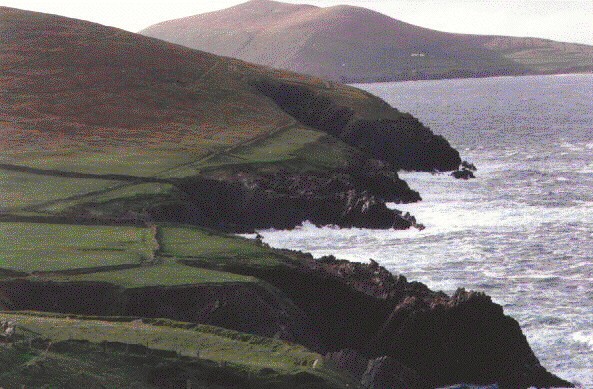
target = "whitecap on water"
x: 585, y: 337
x: 571, y: 146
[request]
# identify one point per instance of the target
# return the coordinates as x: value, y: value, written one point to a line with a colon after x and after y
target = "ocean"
x: 522, y: 231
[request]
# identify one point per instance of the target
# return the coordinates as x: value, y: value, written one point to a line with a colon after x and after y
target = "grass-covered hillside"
x: 122, y: 285
x: 353, y: 44
x: 97, y: 122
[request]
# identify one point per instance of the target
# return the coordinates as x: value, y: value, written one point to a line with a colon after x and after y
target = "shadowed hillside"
x: 352, y: 44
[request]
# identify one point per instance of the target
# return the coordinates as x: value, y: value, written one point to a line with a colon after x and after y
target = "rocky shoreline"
x: 385, y: 331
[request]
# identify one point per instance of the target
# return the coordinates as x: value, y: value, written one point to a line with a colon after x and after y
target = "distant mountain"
x: 353, y: 44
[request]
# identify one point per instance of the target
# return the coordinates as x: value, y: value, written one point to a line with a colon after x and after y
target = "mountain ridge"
x: 354, y: 44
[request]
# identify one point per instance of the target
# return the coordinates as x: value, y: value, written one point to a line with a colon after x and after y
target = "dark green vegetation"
x: 34, y: 247
x: 122, y: 158
x: 76, y: 352
x: 352, y: 44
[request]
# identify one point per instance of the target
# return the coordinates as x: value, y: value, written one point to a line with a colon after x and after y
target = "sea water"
x: 522, y: 231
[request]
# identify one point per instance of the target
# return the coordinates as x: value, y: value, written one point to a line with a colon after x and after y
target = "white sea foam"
x: 585, y: 337
x: 572, y: 146
x: 587, y: 169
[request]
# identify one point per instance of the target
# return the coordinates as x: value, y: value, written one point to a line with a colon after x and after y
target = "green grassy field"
x: 44, y: 247
x: 130, y: 161
x: 298, y: 149
x: 135, y: 193
x: 30, y: 247
x: 296, y: 145
x: 210, y: 342
x: 168, y: 273
x: 19, y: 190
x: 214, y: 249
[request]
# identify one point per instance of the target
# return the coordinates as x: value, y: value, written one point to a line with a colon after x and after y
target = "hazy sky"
x: 564, y: 20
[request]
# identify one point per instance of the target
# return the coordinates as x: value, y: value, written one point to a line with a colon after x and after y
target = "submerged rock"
x: 468, y: 166
x: 463, y: 174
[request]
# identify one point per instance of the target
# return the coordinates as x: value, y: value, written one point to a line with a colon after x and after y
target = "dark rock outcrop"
x: 350, y: 196
x: 242, y: 199
x: 388, y: 373
x: 363, y: 175
x: 349, y: 360
x: 282, y: 203
x: 469, y: 166
x: 462, y: 338
x: 444, y: 339
x: 394, y: 137
x: 245, y: 202
x: 464, y: 174
x: 378, y: 373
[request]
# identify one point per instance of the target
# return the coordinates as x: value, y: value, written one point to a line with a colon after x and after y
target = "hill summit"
x: 354, y: 44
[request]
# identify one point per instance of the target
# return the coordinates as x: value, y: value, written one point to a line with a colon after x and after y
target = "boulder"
x: 464, y: 174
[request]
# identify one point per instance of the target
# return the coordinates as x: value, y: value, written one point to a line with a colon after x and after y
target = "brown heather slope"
x: 74, y: 85
x: 353, y: 44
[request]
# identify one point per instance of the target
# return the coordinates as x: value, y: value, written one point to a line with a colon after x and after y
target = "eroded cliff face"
x: 244, y: 202
x: 442, y: 339
x: 462, y: 338
x: 285, y: 201
x: 391, y: 136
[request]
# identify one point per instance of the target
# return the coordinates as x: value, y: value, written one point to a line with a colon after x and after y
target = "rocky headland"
x: 385, y: 331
